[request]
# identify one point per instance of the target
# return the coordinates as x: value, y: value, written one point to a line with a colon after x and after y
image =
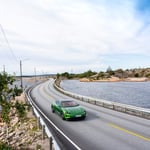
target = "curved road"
x: 103, y: 129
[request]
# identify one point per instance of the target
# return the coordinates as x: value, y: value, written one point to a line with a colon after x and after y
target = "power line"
x: 11, y: 50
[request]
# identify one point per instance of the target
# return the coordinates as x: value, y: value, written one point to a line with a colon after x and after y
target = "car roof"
x: 65, y: 100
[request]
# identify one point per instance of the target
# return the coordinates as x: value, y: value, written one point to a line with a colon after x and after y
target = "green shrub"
x: 38, y: 147
x: 5, y: 146
x: 148, y: 75
x: 136, y: 75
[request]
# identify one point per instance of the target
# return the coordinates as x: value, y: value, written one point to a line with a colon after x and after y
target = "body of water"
x: 132, y: 93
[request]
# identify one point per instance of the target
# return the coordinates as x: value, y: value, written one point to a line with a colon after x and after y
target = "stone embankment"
x: 23, y: 134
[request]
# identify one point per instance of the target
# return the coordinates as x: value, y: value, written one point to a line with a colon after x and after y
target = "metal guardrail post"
x: 50, y: 143
x: 33, y: 111
x: 43, y: 132
x: 38, y: 123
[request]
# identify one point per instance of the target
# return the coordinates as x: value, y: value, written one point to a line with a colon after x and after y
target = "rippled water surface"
x: 132, y: 93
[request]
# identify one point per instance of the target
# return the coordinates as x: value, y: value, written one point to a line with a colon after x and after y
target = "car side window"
x: 57, y: 102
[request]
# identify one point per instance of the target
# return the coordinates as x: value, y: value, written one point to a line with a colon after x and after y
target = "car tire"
x: 84, y: 117
x: 52, y: 110
x: 62, y: 116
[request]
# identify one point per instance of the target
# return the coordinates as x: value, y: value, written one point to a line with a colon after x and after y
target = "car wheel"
x: 53, y: 110
x: 83, y: 117
x: 62, y: 116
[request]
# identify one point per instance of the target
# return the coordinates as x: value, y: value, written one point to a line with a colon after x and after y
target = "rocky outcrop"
x: 23, y: 134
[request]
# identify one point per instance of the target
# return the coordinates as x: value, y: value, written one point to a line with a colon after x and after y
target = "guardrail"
x: 52, y: 142
x: 129, y: 109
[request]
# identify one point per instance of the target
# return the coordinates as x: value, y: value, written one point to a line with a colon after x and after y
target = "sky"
x: 55, y: 36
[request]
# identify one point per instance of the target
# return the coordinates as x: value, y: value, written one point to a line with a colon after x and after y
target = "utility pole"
x: 21, y: 74
x: 4, y: 68
x: 35, y: 74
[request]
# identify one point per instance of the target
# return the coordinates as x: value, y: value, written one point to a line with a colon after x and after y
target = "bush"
x: 148, y: 75
x: 21, y: 110
x: 136, y: 75
x: 17, y: 92
x: 5, y: 146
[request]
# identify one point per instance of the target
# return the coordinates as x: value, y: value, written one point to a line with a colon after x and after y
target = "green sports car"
x: 68, y: 109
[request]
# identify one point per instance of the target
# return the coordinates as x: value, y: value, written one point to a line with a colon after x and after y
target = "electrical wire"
x: 10, y: 48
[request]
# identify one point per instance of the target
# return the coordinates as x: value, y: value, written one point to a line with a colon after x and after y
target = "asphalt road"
x: 103, y: 129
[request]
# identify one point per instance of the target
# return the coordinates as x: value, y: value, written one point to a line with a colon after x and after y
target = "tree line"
x: 120, y: 73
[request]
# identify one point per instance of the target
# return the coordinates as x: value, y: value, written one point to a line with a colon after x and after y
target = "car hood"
x: 74, y: 110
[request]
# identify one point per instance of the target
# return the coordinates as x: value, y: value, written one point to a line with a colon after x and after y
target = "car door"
x: 58, y: 107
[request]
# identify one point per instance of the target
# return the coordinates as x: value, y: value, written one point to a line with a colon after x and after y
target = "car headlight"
x: 66, y: 112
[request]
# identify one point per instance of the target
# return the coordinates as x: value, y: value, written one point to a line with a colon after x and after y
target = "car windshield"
x: 69, y: 104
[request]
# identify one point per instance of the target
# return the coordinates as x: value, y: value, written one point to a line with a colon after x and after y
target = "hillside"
x: 137, y: 74
x: 123, y: 75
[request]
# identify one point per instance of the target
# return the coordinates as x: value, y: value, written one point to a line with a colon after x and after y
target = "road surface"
x: 103, y: 129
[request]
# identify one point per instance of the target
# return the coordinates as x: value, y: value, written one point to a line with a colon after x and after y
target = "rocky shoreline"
x: 116, y: 79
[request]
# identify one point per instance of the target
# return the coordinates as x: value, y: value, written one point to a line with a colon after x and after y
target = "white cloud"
x: 71, y: 34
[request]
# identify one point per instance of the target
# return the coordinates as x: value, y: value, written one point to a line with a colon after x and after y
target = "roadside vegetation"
x: 18, y: 126
x: 81, y: 75
x: 7, y: 92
